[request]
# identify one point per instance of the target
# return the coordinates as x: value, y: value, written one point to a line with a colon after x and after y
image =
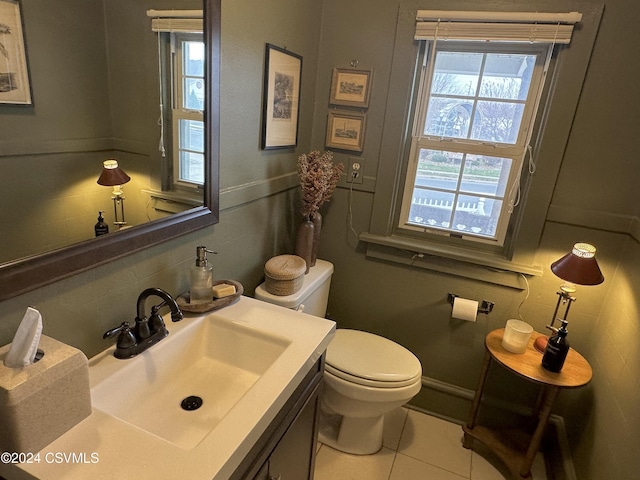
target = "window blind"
x: 175, y: 20
x: 534, y: 27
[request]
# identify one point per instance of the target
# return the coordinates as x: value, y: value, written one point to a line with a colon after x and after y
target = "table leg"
x: 476, y: 399
x: 467, y: 442
x: 550, y: 395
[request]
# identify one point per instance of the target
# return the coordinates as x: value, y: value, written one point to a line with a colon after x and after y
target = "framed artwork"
x: 350, y: 87
x: 280, y: 104
x: 346, y: 131
x: 14, y: 74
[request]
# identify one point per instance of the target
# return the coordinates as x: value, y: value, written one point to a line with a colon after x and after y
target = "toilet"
x: 366, y: 376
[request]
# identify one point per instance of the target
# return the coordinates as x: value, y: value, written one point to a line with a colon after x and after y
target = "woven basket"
x: 284, y: 274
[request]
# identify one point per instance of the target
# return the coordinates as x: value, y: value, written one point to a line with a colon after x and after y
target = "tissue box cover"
x: 40, y: 402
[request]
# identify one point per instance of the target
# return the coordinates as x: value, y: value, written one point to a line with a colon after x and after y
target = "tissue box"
x: 40, y: 402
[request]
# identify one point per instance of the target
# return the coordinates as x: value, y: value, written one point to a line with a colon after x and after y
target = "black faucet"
x: 147, y: 331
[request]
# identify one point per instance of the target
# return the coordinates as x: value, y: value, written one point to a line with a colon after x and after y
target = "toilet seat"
x: 367, y: 359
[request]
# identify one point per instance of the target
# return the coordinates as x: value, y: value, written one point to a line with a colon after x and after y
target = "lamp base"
x: 540, y: 343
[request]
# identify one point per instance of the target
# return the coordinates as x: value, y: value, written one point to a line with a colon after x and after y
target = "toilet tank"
x: 313, y: 294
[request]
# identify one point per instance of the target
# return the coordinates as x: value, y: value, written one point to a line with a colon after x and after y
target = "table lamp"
x: 113, y: 176
x: 579, y: 267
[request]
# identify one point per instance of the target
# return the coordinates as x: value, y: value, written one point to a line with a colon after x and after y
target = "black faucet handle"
x: 126, y: 338
x: 176, y: 313
x: 114, y: 331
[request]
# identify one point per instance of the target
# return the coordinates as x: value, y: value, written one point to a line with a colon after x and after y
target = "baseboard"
x: 559, y: 461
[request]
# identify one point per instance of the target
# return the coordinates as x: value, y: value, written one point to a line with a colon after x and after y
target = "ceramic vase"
x: 316, y: 218
x: 304, y: 242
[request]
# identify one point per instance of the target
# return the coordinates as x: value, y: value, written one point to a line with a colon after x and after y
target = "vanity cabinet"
x: 286, y: 450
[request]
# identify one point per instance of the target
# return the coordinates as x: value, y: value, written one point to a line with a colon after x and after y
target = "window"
x: 187, y: 109
x: 181, y: 55
x: 390, y: 237
x: 471, y: 127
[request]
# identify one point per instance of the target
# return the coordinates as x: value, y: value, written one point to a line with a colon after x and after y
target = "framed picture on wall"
x: 14, y: 74
x: 350, y: 87
x: 346, y: 131
x: 280, y: 104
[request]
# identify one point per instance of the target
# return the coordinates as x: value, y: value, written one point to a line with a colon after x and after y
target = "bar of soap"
x: 223, y: 290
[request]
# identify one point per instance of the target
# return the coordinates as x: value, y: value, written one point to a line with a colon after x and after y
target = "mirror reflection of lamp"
x: 113, y: 176
x: 576, y: 268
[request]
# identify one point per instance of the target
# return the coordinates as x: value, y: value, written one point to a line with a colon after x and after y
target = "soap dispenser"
x: 557, y: 349
x: 201, y: 277
x: 101, y: 228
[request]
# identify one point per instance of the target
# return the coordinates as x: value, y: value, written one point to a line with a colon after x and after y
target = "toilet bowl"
x: 366, y: 376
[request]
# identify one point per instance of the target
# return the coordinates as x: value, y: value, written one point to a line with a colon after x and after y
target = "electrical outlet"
x: 355, y: 172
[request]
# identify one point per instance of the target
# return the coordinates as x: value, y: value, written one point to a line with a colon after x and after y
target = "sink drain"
x: 192, y: 402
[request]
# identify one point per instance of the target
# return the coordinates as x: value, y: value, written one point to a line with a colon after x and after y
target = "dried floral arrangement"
x: 318, y: 179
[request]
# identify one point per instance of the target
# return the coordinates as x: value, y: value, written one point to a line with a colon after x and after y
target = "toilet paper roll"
x: 465, y: 309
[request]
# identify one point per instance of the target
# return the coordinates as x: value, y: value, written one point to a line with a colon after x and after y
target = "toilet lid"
x: 372, y: 358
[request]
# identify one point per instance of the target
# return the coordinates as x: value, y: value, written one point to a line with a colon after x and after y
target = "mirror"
x: 24, y: 274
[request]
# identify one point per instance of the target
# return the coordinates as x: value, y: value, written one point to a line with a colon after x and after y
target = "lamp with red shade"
x: 113, y: 176
x: 579, y: 267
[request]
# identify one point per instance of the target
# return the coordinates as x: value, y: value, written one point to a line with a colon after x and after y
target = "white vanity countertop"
x: 105, y: 447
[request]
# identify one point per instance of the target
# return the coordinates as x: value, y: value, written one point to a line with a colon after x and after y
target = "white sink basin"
x: 210, y: 366
x: 244, y: 361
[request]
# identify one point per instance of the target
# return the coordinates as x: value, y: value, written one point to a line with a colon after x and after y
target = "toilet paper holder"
x: 485, y: 305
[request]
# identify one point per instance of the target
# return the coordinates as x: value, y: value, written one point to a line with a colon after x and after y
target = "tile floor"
x: 416, y: 446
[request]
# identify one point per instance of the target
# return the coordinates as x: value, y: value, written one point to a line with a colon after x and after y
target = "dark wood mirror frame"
x: 30, y: 273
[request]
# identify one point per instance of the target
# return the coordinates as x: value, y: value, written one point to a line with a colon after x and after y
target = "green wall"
x: 595, y: 200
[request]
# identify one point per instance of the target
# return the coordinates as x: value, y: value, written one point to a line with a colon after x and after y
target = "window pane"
x: 191, y: 151
x: 194, y: 93
x: 485, y: 175
x: 192, y: 167
x: 192, y: 135
x: 456, y: 73
x: 431, y: 208
x: 193, y: 53
x: 507, y: 76
x: 477, y: 215
x: 438, y: 169
x: 499, y: 122
x: 448, y: 117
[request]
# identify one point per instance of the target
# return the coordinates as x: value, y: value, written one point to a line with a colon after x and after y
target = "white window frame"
x: 179, y: 113
x: 516, y: 151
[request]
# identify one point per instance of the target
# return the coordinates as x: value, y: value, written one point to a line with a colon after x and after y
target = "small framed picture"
x: 14, y: 74
x: 350, y: 87
x: 345, y: 131
x: 280, y: 105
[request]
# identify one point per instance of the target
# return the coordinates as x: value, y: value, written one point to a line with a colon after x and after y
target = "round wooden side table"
x: 518, y: 456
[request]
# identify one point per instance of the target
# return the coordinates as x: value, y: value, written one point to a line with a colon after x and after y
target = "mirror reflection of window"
x: 187, y: 109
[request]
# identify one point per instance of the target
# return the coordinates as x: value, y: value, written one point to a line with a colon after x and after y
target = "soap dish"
x: 215, y: 303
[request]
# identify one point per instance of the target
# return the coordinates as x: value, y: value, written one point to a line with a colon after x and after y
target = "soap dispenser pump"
x: 557, y: 349
x: 201, y: 277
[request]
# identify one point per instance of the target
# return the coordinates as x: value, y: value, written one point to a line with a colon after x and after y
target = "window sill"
x: 174, y: 202
x: 451, y: 260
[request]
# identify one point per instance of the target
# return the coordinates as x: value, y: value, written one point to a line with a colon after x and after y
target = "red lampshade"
x: 579, y: 266
x: 112, y: 174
